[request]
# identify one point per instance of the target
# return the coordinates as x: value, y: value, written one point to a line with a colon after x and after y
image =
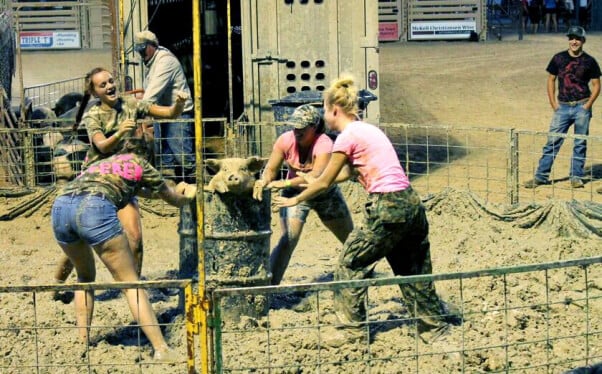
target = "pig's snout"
x: 234, y: 178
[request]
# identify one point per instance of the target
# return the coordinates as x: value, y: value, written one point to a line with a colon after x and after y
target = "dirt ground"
x: 489, y: 84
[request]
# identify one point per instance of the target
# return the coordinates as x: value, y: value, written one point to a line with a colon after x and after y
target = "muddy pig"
x: 234, y: 175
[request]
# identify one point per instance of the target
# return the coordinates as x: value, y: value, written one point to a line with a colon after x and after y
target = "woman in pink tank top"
x: 395, y: 224
x: 305, y: 149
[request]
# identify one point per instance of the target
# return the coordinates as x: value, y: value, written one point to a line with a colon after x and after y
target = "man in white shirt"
x: 164, y: 77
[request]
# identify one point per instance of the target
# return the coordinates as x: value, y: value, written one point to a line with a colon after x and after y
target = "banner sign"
x: 49, y: 39
x: 438, y: 30
x: 388, y: 31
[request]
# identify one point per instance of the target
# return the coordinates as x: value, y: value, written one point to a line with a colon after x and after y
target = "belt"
x: 574, y: 103
x: 87, y: 193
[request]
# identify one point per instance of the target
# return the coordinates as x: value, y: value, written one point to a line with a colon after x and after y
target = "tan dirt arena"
x: 498, y: 84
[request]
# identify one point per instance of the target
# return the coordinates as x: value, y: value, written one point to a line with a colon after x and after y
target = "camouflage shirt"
x: 98, y: 119
x: 118, y: 178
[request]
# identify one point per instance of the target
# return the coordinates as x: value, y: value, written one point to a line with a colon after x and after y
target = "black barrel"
x: 237, y: 249
x: 189, y: 256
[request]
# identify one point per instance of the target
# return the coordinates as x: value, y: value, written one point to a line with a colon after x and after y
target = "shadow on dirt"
x: 132, y: 335
x: 594, y: 172
x: 154, y: 294
x: 288, y: 301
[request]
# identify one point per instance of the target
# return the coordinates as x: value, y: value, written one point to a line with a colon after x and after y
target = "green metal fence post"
x: 512, y: 170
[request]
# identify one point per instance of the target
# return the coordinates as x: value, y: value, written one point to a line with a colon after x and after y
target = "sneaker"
x: 599, y: 190
x: 337, y: 337
x: 66, y: 297
x: 166, y: 355
x: 451, y: 314
x: 535, y: 182
x: 428, y: 333
x: 577, y: 183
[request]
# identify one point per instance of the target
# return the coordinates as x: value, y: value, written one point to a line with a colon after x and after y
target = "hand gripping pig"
x: 233, y: 175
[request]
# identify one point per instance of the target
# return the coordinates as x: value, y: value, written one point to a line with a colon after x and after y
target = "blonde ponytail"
x: 343, y: 93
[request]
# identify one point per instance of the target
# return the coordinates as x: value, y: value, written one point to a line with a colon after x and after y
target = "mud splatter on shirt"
x: 98, y: 119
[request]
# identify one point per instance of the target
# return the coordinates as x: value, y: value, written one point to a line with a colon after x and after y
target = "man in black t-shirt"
x: 574, y: 70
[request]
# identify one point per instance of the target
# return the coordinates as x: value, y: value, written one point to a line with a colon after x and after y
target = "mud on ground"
x: 493, y: 84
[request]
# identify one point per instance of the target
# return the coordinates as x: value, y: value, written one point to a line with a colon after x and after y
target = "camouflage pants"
x: 395, y: 227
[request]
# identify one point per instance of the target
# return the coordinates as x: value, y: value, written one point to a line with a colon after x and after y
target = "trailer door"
x: 291, y: 46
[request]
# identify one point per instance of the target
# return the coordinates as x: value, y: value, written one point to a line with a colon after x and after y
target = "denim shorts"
x: 87, y: 217
x: 329, y: 205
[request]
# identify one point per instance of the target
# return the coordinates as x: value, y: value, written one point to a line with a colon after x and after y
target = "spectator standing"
x: 574, y: 70
x: 550, y: 10
x: 534, y: 10
x: 568, y: 12
x: 163, y: 78
x: 585, y: 13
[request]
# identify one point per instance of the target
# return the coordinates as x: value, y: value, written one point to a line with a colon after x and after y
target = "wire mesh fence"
x: 492, y: 163
x: 527, y: 317
x: 49, y: 94
x: 522, y: 326
x: 36, y: 336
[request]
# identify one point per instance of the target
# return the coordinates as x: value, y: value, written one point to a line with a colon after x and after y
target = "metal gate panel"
x: 390, y: 17
x: 445, y: 19
x: 305, y: 49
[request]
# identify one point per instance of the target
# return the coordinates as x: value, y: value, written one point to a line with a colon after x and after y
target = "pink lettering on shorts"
x: 127, y: 170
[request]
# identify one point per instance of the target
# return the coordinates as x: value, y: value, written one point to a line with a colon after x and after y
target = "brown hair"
x: 141, y: 146
x: 88, y: 92
x: 342, y: 92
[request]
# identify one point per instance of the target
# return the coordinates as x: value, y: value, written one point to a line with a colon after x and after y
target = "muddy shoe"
x: 337, y: 337
x: 533, y: 183
x: 451, y: 314
x: 428, y: 333
x: 65, y: 297
x: 166, y: 356
x: 577, y: 183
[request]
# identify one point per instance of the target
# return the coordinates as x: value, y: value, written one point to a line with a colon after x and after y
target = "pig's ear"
x: 255, y: 163
x: 213, y: 164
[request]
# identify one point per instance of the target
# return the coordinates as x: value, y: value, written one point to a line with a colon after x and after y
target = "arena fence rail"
x: 493, y: 163
x: 529, y: 320
x: 48, y: 94
x: 47, y: 346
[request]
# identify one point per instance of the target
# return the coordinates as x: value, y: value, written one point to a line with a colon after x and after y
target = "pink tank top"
x: 371, y: 153
x: 287, y: 144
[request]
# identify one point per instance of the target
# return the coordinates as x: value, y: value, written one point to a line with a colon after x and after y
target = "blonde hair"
x: 344, y: 93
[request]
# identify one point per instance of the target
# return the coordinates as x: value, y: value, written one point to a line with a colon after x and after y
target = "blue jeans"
x: 174, y: 142
x: 564, y: 117
x: 90, y: 218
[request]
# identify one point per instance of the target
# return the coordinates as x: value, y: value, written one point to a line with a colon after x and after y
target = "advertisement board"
x: 388, y: 31
x: 49, y: 39
x: 440, y: 30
